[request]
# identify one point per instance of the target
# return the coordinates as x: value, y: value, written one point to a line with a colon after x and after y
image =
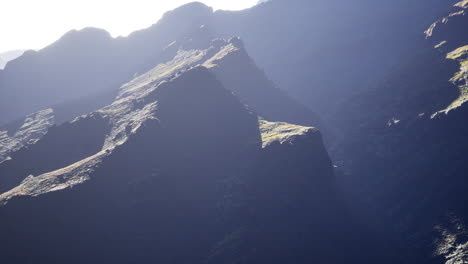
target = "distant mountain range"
x: 291, y: 132
x: 9, y: 56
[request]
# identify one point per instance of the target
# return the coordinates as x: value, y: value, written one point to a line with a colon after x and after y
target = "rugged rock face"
x: 181, y: 171
x: 33, y: 128
x: 60, y: 147
x: 403, y: 149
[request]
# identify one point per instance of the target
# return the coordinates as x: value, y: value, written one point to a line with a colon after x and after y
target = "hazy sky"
x: 33, y: 24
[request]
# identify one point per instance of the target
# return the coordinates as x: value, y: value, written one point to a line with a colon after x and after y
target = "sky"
x: 33, y: 24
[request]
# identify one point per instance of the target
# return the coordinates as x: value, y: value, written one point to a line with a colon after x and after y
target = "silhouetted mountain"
x: 5, y: 57
x: 89, y: 61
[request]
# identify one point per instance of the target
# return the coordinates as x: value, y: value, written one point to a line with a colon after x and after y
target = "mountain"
x: 393, y: 93
x: 223, y: 57
x: 176, y: 145
x: 180, y: 146
x: 92, y: 58
x: 404, y: 147
x: 333, y: 47
x: 309, y: 72
x: 5, y: 57
x: 174, y: 153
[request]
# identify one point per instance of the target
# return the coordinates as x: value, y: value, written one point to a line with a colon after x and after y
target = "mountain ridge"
x: 156, y: 144
x: 181, y: 149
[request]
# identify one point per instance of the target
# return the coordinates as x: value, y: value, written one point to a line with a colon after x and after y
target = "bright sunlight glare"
x: 33, y: 24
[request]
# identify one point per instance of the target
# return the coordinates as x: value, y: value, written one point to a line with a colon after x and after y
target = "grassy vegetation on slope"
x: 460, y: 78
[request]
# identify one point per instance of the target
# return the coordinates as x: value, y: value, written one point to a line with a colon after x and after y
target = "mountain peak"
x: 188, y: 12
x: 88, y: 34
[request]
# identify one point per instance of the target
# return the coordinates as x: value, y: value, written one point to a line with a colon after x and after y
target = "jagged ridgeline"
x: 181, y: 167
x: 175, y: 145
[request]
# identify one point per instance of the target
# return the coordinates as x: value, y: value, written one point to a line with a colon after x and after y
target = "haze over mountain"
x: 37, y: 25
x: 5, y: 57
x: 201, y: 138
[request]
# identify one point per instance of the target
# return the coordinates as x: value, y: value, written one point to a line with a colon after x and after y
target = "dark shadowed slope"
x: 404, y: 146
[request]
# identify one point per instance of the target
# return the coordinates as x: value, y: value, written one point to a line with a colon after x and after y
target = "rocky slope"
x: 34, y: 127
x: 403, y: 150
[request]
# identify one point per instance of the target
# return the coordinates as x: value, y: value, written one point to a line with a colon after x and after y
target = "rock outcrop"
x: 32, y: 129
